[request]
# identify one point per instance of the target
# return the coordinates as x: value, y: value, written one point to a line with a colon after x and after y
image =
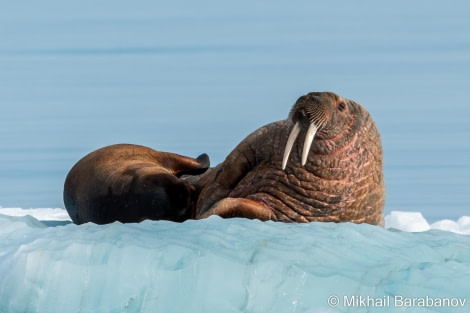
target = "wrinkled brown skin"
x: 342, y: 180
x: 131, y: 183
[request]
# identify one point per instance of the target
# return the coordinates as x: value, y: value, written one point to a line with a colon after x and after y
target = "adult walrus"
x: 130, y: 183
x: 334, y: 175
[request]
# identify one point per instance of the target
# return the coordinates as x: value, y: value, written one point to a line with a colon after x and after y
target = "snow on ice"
x: 232, y: 265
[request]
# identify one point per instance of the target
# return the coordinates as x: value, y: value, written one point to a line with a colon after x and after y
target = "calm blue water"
x: 193, y: 77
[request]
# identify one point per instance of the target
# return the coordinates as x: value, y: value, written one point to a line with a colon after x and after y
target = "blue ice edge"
x: 229, y: 265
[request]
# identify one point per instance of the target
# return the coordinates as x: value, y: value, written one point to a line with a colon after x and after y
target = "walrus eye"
x: 341, y: 106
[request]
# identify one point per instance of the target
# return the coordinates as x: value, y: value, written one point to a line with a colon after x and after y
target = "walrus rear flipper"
x: 181, y: 165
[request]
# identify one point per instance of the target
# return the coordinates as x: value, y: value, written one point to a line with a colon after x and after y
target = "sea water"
x: 198, y: 77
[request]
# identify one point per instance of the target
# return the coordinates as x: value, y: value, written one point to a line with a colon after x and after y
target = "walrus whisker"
x: 290, y: 142
x: 312, y: 129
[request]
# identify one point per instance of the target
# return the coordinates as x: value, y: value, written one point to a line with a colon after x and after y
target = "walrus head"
x: 322, y: 113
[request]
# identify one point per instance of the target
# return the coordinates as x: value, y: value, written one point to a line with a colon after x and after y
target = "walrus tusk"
x: 312, y: 129
x: 290, y: 142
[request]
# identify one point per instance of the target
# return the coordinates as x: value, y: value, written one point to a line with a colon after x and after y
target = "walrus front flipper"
x: 220, y: 181
x: 240, y: 207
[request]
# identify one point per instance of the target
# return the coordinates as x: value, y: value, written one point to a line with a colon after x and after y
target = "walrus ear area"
x: 341, y: 104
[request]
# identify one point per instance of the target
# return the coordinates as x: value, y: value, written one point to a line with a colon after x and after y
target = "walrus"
x: 130, y: 183
x: 335, y: 174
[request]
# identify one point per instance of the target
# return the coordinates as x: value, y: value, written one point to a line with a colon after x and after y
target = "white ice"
x: 401, y: 220
x: 232, y: 265
x: 39, y: 214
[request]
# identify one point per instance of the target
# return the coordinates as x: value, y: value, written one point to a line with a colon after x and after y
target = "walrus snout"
x: 310, y: 113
